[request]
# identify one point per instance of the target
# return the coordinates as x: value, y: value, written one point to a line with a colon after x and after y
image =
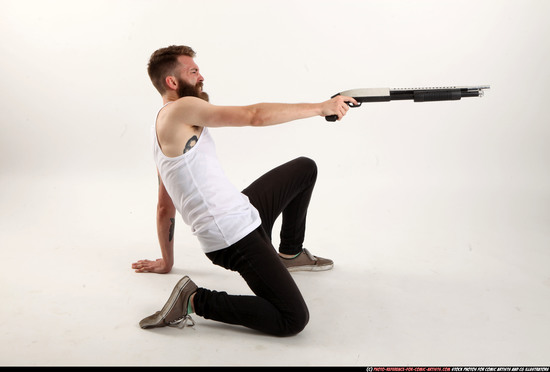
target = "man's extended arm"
x: 166, y: 213
x: 194, y: 111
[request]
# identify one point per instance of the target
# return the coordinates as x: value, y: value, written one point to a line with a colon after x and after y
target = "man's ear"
x: 171, y: 82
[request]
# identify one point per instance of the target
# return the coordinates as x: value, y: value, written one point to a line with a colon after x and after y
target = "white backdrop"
x: 77, y: 107
x: 76, y: 97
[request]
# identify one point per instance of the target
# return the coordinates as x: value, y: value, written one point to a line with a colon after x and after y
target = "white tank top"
x: 218, y: 214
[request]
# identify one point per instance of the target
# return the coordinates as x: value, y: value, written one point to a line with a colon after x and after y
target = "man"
x: 233, y: 228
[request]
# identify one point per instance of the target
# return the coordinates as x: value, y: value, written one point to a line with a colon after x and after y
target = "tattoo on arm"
x: 189, y: 145
x: 172, y: 226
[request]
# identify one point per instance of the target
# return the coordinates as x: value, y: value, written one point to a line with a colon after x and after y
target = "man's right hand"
x: 148, y: 266
x: 338, y: 105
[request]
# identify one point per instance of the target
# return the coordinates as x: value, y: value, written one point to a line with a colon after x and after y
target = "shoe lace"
x: 182, y: 322
x: 311, y: 257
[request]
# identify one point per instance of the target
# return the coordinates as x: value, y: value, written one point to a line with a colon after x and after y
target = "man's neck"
x: 169, y: 97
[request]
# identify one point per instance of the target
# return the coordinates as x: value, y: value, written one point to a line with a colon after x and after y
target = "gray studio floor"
x: 420, y: 279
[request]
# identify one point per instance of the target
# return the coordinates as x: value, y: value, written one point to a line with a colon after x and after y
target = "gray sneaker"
x: 174, y: 312
x: 307, y: 262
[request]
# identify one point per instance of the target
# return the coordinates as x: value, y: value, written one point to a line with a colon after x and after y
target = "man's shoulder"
x: 181, y: 106
x: 189, y: 101
x: 179, y: 117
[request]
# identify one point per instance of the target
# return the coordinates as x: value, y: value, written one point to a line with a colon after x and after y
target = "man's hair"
x: 164, y: 62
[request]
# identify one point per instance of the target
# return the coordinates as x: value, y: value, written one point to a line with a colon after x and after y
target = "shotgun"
x: 415, y: 94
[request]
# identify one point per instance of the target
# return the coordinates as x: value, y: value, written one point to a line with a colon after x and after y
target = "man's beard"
x: 185, y: 89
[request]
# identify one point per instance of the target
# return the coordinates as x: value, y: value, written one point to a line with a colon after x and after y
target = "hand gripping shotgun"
x: 415, y: 94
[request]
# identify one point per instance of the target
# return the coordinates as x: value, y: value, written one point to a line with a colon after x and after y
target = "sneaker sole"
x: 310, y: 268
x: 156, y: 319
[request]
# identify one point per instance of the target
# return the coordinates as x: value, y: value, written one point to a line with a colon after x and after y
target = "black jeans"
x: 278, y: 307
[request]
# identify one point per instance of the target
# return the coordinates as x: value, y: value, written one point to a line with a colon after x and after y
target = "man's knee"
x: 297, y: 322
x: 307, y: 165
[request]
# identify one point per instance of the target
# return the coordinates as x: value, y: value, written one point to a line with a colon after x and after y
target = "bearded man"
x: 233, y: 227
